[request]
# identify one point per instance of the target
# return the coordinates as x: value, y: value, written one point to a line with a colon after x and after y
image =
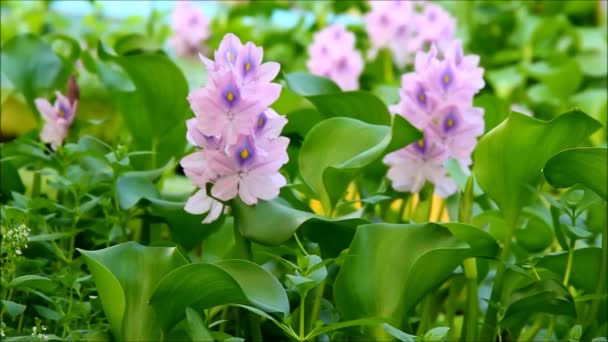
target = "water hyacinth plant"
x: 254, y: 171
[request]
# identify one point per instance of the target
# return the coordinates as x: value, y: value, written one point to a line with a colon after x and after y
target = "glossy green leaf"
x: 132, y: 189
x: 31, y: 281
x: 437, y: 334
x: 398, y: 334
x: 336, y: 149
x: 125, y: 276
x: 510, y: 158
x: 12, y: 308
x: 196, y: 328
x: 155, y: 113
x: 495, y: 109
x: 186, y: 229
x: 330, y: 101
x: 587, y: 166
x: 585, y: 265
x: 553, y: 77
x: 135, y: 42
x: 205, y: 285
x: 9, y: 180
x: 401, y: 263
x: 546, y: 295
x: 306, y: 84
x: 274, y: 222
x: 31, y: 65
x: 535, y: 234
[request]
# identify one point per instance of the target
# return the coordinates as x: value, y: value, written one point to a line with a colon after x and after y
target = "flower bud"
x: 73, y: 91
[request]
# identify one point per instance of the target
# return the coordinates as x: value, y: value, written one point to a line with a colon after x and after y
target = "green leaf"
x: 585, y: 265
x: 13, y: 309
x: 437, y: 334
x: 30, y: 282
x: 495, y: 109
x: 186, y: 229
x: 49, y: 237
x: 336, y: 149
x: 132, y: 189
x: 330, y: 101
x: 553, y: 77
x: 47, y: 313
x: 274, y: 222
x: 509, y: 158
x: 155, y: 113
x: 31, y: 65
x: 398, y: 334
x: 306, y: 84
x: 585, y: 166
x: 125, y: 276
x: 535, y: 235
x: 135, y: 42
x: 546, y: 295
x: 196, y: 328
x: 205, y: 285
x: 400, y: 264
x: 9, y: 180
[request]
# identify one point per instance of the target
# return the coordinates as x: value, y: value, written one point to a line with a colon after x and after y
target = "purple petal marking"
x: 447, y: 78
x: 245, y: 152
x: 231, y: 95
x: 262, y: 119
x: 420, y: 145
x: 450, y: 122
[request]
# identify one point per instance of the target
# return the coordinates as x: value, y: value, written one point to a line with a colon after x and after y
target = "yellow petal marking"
x: 244, y: 154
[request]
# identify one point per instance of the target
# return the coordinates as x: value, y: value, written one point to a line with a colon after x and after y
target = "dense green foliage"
x: 96, y: 244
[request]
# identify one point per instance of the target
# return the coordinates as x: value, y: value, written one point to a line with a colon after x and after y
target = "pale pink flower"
x: 240, y: 150
x: 191, y: 29
x: 57, y: 119
x: 245, y: 172
x: 201, y: 203
x: 437, y: 98
x: 227, y: 109
x: 333, y: 55
x: 406, y: 27
x: 412, y: 166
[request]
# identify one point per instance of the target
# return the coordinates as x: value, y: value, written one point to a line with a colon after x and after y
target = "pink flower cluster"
x: 240, y: 150
x: 406, y: 27
x: 57, y: 119
x: 437, y: 98
x: 191, y: 29
x: 333, y: 55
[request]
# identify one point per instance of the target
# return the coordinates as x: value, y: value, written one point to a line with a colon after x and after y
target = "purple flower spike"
x: 191, y: 29
x: 333, y: 55
x: 240, y: 148
x: 437, y: 98
x: 57, y: 119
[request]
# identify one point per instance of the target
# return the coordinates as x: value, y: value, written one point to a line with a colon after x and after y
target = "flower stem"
x: 491, y: 321
x: 601, y: 283
x: 472, y: 309
x: 302, y: 317
x: 531, y: 332
x: 295, y: 235
x: 387, y: 63
x: 36, y: 185
x: 316, y: 306
x: 465, y: 215
x: 569, y: 264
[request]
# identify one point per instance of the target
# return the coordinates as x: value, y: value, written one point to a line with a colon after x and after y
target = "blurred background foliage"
x: 543, y: 56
